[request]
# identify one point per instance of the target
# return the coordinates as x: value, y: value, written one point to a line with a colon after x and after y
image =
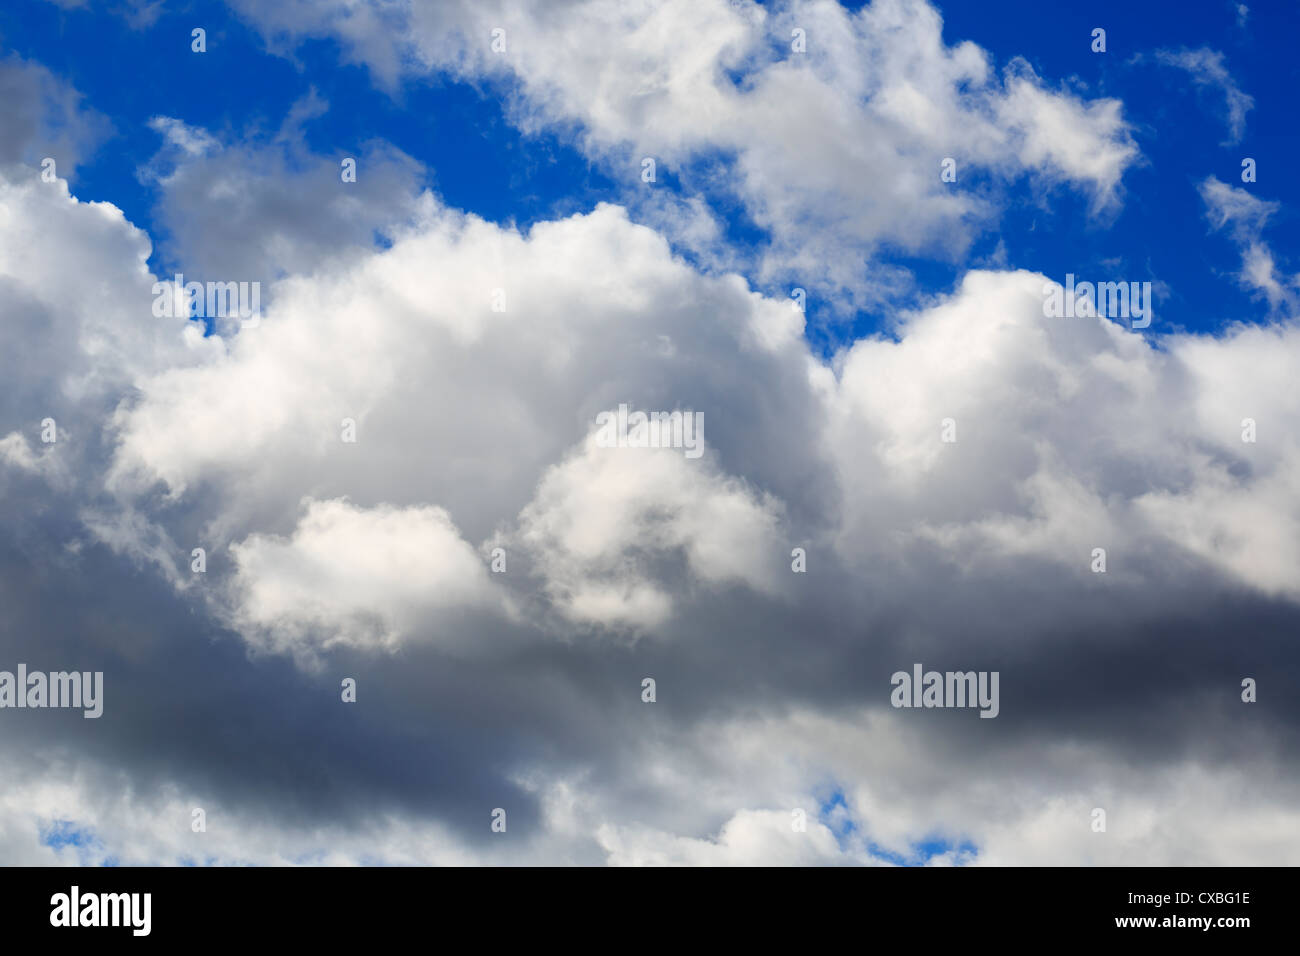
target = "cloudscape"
x: 669, y: 432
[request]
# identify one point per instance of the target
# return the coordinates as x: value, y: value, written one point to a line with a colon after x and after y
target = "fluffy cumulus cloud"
x: 399, y: 476
x: 262, y: 206
x: 73, y: 287
x: 344, y: 568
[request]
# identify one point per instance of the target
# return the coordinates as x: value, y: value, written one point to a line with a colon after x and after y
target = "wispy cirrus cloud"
x: 1208, y: 70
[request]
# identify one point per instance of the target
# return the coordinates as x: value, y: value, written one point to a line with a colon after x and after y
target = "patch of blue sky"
x: 60, y: 835
x: 835, y: 813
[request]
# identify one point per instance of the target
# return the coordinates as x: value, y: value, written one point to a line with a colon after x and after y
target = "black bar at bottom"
x: 303, y: 906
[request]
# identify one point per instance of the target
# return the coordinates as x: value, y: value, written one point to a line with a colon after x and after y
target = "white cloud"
x: 750, y: 838
x: 1245, y: 216
x: 78, y: 329
x: 190, y: 140
x: 1207, y: 69
x: 602, y: 516
x: 364, y: 577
